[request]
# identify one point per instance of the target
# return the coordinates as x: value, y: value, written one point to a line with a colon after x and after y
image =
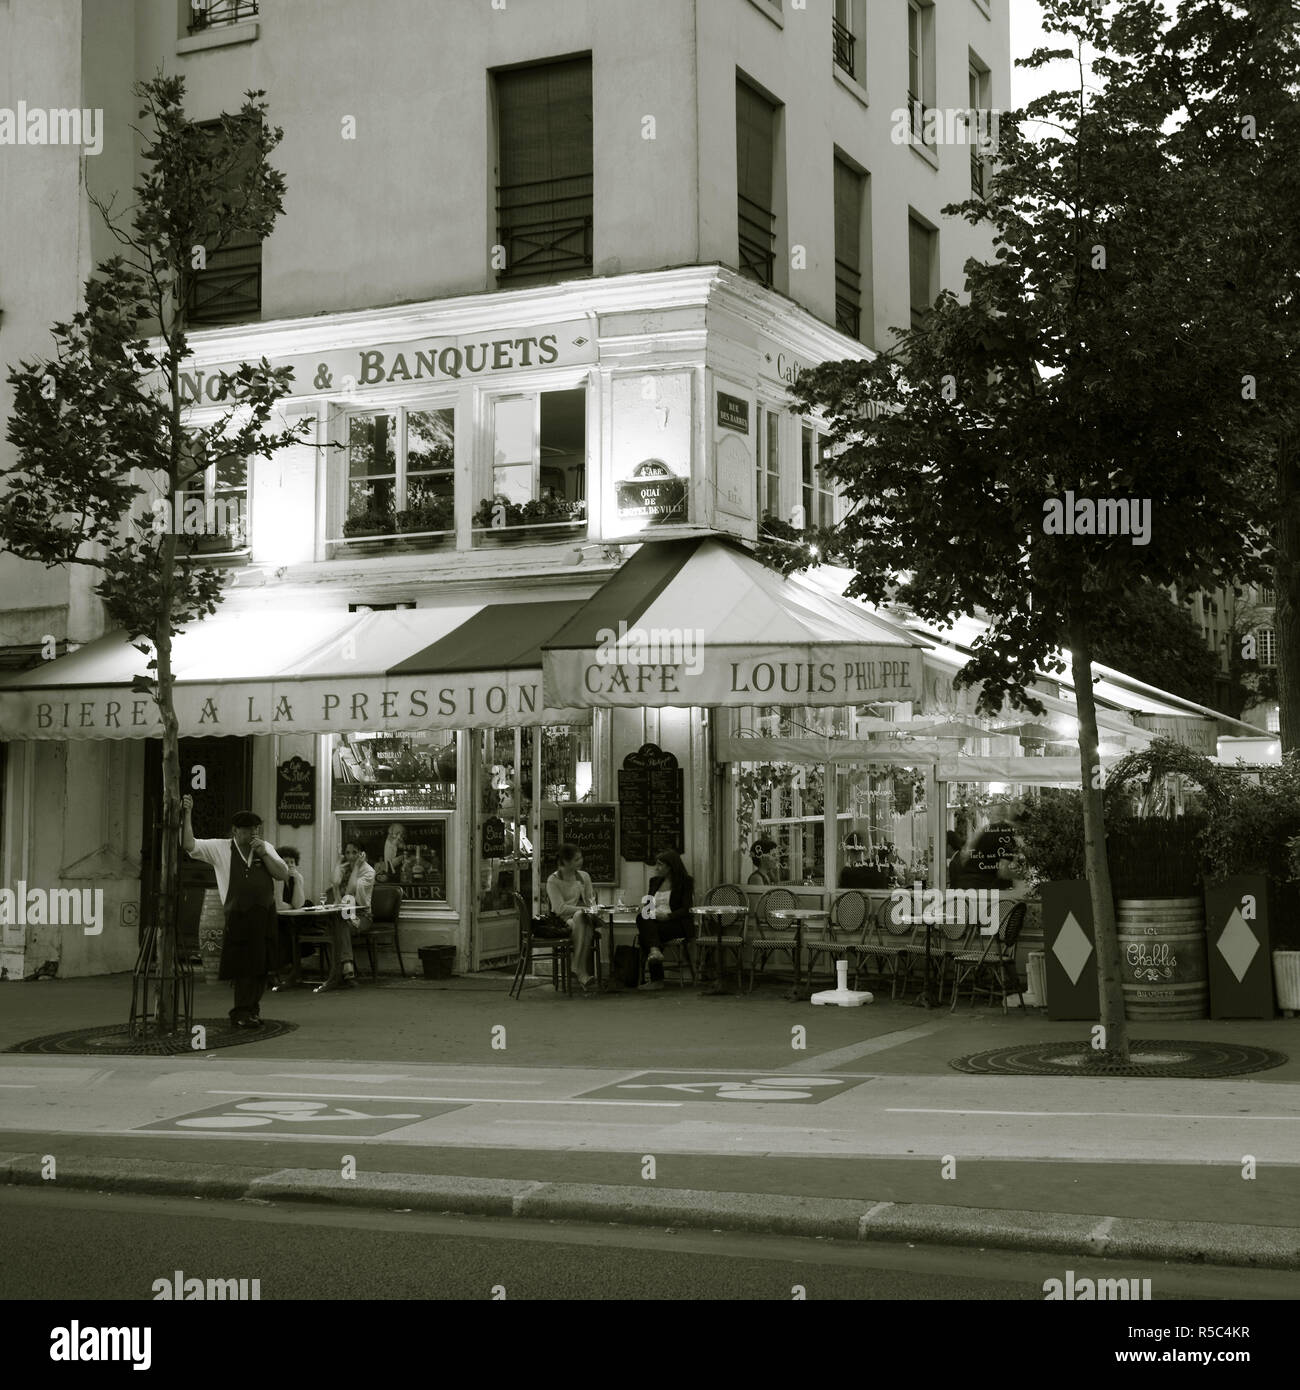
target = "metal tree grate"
x: 1148, y: 1057
x: 118, y: 1040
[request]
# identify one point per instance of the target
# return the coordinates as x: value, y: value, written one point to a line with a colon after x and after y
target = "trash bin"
x: 437, y: 961
x: 1036, y: 989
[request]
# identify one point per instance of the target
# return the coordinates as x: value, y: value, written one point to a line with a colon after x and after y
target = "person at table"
x: 766, y: 855
x: 858, y: 873
x: 247, y: 870
x: 353, y: 885
x: 292, y: 896
x: 569, y: 894
x: 673, y: 891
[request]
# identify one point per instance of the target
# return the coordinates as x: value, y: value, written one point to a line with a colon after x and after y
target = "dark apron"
x: 249, y: 946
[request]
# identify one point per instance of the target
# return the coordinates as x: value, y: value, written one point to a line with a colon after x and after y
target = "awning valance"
x: 459, y: 666
x: 701, y: 622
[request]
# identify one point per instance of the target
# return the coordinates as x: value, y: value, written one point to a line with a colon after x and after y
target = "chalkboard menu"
x: 592, y: 826
x: 651, y: 804
x: 295, y: 792
x: 550, y: 849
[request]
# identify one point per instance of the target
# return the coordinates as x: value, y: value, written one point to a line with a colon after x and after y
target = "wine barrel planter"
x: 1163, y: 958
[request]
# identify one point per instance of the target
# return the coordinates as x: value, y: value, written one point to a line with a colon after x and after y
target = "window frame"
x: 817, y: 494
x: 766, y: 507
x: 980, y: 90
x: 401, y: 412
x: 932, y: 276
x: 921, y: 57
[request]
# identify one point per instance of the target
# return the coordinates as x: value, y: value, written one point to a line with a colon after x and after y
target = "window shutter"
x: 848, y: 216
x: 919, y: 257
x: 754, y: 146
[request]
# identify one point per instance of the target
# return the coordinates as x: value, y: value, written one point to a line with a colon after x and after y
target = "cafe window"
x: 210, y: 511
x: 401, y: 475
x: 818, y: 492
x: 411, y: 853
x: 394, y: 772
x: 538, y: 478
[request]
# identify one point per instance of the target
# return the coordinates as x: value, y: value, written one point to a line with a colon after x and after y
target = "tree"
x: 103, y: 446
x: 1157, y: 641
x: 1224, y: 78
x: 1074, y: 431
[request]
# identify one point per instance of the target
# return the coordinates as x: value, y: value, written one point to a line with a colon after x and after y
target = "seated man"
x: 352, y: 885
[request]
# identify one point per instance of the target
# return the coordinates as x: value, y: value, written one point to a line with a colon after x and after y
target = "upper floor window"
x: 768, y: 482
x: 920, y: 64
x: 538, y: 477
x: 980, y: 82
x: 401, y: 474
x: 545, y: 171
x: 1266, y: 598
x: 922, y: 249
x: 848, y: 249
x: 848, y: 37
x: 755, y: 179
x: 818, y: 493
x: 211, y: 509
x: 212, y: 14
x: 228, y: 289
x: 1267, y: 646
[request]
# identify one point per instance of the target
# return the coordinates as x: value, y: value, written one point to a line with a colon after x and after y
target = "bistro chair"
x: 558, y: 952
x: 677, y: 953
x: 721, y: 934
x: 992, y: 968
x: 769, y: 936
x: 958, y: 933
x: 848, y: 914
x: 880, y: 947
x: 310, y: 936
x: 906, y: 936
x: 385, y: 908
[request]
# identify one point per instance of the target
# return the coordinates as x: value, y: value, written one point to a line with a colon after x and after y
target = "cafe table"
x: 718, y: 911
x: 799, y: 915
x: 611, y: 915
x: 324, y: 917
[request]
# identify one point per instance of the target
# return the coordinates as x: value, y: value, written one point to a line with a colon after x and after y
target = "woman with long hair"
x: 569, y: 893
x: 669, y: 919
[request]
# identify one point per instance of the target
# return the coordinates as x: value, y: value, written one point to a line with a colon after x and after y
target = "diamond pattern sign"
x: 1236, y: 925
x: 1069, y: 950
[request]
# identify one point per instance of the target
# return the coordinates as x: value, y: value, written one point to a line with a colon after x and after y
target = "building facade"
x: 544, y: 275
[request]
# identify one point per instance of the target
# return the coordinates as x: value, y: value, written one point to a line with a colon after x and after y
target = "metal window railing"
x: 546, y: 226
x: 213, y: 14
x: 842, y: 44
x: 757, y: 239
x: 848, y: 299
x: 229, y: 290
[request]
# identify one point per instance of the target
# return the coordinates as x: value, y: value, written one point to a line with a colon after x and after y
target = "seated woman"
x: 766, y: 855
x: 569, y: 893
x: 674, y: 894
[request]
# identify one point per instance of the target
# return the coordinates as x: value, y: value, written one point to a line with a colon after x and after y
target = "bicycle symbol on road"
x: 289, y: 1115
x: 250, y: 1114
x: 689, y: 1086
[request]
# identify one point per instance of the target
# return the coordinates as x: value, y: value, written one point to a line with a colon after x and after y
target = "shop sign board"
x: 440, y: 359
x: 295, y: 792
x: 1069, y: 950
x: 654, y: 494
x: 733, y: 412
x: 593, y: 827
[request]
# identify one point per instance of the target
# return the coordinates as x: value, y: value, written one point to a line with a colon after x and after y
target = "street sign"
x: 755, y: 1086
x: 288, y: 1115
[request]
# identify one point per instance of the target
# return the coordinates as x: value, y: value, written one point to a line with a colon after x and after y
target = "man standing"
x: 352, y: 885
x: 247, y: 869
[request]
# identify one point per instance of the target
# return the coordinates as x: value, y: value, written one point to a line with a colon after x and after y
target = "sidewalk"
x: 785, y: 1177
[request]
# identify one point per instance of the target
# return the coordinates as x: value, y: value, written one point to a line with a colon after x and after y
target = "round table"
x: 325, y: 912
x: 719, y: 911
x: 799, y: 915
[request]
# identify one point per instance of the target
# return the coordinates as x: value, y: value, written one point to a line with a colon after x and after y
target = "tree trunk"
x: 1286, y: 611
x: 1110, y: 988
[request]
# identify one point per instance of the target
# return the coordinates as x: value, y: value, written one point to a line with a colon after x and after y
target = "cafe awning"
x: 701, y: 622
x: 475, y: 665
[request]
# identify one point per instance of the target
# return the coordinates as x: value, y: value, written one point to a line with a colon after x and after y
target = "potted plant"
x: 508, y: 520
x: 435, y: 514
x: 368, y: 521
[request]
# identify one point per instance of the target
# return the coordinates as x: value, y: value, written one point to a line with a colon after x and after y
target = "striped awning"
x: 701, y: 622
x: 475, y: 665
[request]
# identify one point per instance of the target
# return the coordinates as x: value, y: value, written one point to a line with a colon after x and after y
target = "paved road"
x: 65, y: 1245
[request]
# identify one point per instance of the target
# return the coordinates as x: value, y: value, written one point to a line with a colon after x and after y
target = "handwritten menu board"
x: 295, y: 792
x: 593, y: 827
x: 651, y: 804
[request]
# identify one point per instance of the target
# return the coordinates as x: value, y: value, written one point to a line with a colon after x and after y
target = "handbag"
x: 551, y: 927
x: 626, y: 965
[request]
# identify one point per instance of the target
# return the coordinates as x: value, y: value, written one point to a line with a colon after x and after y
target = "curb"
x: 1057, y: 1233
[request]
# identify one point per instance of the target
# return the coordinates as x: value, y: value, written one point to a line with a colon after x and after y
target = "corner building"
x: 545, y: 272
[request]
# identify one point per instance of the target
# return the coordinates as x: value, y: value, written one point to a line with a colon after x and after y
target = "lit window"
x: 538, y: 473
x: 401, y: 473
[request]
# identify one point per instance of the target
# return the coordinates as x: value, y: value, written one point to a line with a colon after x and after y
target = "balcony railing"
x: 546, y: 226
x: 757, y: 237
x: 229, y: 290
x: 848, y: 299
x: 214, y: 14
x: 842, y: 43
